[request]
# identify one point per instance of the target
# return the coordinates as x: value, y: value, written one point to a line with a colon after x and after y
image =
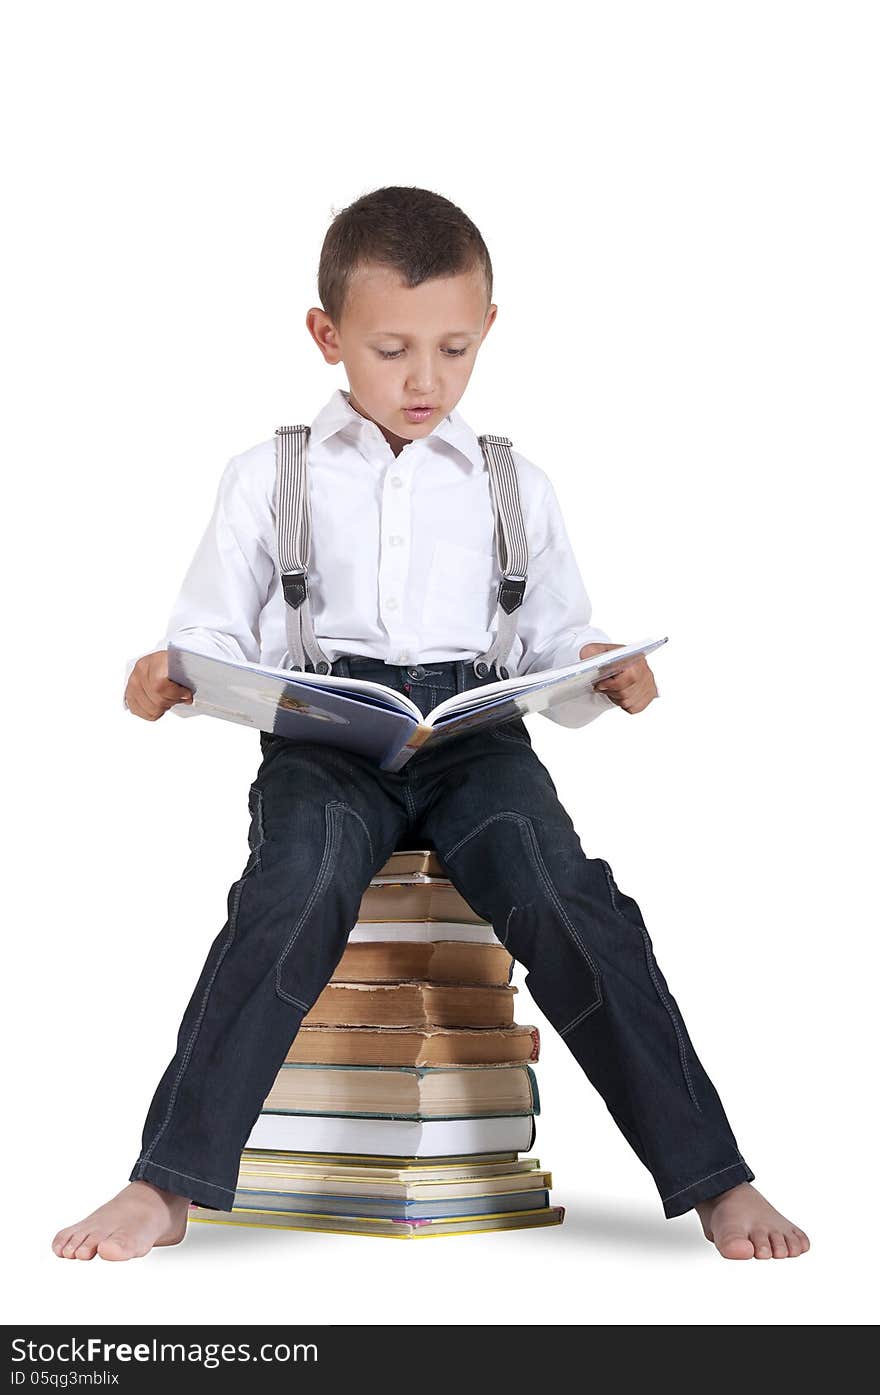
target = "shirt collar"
x: 338, y: 415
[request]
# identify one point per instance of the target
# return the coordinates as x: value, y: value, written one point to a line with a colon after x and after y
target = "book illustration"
x: 289, y: 701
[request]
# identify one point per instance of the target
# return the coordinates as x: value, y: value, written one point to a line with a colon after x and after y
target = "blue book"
x: 376, y: 721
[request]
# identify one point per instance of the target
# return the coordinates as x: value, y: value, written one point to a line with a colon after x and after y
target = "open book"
x: 369, y: 718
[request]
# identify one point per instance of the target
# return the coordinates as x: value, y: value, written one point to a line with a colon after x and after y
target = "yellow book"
x: 395, y: 1230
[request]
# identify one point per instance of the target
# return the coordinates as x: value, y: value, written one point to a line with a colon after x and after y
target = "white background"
x: 681, y: 204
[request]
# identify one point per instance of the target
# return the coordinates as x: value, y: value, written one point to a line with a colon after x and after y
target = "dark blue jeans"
x: 323, y: 821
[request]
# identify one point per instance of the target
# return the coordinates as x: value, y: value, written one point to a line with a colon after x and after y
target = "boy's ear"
x: 490, y: 320
x: 323, y: 331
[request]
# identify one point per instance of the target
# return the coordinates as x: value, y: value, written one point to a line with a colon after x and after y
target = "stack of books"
x: 408, y: 1092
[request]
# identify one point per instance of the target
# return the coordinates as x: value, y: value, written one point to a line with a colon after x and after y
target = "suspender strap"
x: 294, y: 537
x: 511, y: 547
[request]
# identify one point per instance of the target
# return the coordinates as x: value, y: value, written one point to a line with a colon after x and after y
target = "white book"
x: 424, y: 930
x: 395, y: 1138
x: 376, y: 721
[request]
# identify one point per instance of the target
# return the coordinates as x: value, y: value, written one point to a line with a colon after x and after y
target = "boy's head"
x: 405, y: 283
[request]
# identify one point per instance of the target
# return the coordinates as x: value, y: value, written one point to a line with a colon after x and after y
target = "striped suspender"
x: 294, y: 537
x: 511, y: 549
x: 293, y: 524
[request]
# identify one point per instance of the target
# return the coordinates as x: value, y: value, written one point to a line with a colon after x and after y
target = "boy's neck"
x: 396, y: 443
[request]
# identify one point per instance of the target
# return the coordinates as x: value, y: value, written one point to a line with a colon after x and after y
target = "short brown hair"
x: 417, y: 232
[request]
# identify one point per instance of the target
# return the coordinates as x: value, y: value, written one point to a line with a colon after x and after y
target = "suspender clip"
x: 296, y: 587
x: 511, y: 592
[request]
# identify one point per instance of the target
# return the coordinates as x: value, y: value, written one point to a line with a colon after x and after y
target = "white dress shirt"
x: 403, y: 564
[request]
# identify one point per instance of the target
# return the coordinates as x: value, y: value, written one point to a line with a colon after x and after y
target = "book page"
x: 535, y: 692
x: 351, y: 713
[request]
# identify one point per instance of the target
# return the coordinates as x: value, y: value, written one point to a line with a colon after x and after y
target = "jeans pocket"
x: 514, y: 730
x: 304, y: 967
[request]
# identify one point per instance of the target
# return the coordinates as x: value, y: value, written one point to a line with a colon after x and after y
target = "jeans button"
x: 417, y: 673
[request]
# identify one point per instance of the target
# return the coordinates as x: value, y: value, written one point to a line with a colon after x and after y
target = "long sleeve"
x: 554, y: 620
x: 226, y: 586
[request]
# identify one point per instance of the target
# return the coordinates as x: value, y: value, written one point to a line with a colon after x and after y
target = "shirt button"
x: 391, y: 603
x: 403, y: 658
x: 395, y: 539
x: 397, y: 481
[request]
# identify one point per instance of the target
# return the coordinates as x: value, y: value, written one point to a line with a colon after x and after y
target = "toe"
x: 118, y: 1245
x: 778, y: 1245
x: 798, y: 1242
x: 761, y: 1242
x: 735, y: 1244
x: 74, y: 1239
x: 88, y: 1247
x: 61, y: 1239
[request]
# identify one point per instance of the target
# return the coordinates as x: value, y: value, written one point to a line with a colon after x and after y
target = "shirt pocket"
x: 462, y: 585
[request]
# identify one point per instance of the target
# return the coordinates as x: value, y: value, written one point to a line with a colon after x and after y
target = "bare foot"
x: 743, y: 1225
x: 138, y: 1218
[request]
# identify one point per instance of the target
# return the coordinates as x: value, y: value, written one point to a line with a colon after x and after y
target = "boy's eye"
x: 395, y: 353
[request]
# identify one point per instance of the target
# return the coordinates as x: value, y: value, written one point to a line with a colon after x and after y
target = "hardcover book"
x: 369, y: 1225
x: 406, y: 1046
x: 437, y: 961
x: 374, y: 720
x: 412, y: 1005
x: 393, y: 1137
x: 404, y: 1092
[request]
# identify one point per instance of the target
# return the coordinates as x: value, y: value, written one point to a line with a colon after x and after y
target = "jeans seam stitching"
x: 190, y: 1046
x: 575, y: 1020
x: 331, y: 842
x: 507, y: 926
x: 205, y: 1181
x: 503, y: 735
x: 649, y: 960
x: 698, y: 1183
x: 541, y: 868
x: 297, y: 1002
x: 363, y: 825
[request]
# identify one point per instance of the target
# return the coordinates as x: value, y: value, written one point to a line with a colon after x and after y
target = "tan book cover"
x: 404, y: 1091
x: 413, y: 861
x: 390, y: 1046
x: 413, y: 1004
x: 426, y: 901
x: 436, y: 961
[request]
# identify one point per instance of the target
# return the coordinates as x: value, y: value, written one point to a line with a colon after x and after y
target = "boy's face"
x: 406, y: 347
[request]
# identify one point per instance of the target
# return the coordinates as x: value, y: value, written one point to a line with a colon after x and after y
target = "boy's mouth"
x: 417, y: 414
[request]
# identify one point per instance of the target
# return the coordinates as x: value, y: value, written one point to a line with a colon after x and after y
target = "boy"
x: 401, y: 586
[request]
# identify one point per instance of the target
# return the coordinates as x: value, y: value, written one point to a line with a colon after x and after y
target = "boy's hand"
x: 149, y: 691
x: 633, y: 687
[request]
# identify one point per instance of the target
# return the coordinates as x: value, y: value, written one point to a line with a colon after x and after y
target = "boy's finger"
x: 627, y: 678
x: 141, y: 703
x: 167, y: 688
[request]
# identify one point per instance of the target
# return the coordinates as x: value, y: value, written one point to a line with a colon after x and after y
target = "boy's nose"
x: 421, y: 379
